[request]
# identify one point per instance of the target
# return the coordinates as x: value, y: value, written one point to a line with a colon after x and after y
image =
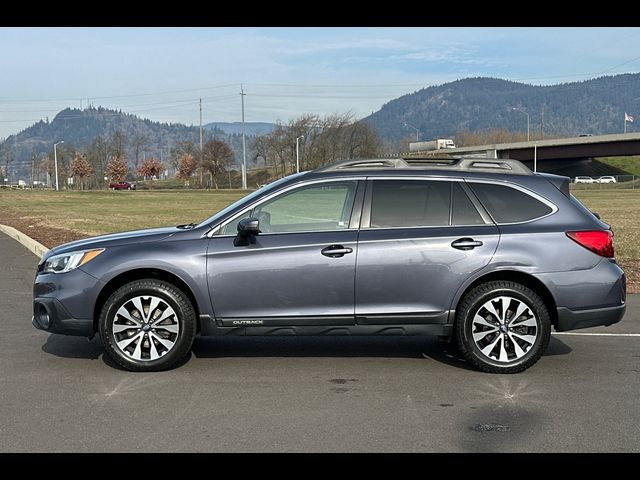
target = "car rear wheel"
x: 502, y: 327
x: 147, y: 325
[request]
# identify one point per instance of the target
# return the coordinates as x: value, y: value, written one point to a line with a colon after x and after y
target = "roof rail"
x: 368, y: 163
x: 468, y: 164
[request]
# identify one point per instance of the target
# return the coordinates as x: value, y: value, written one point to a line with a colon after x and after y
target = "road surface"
x: 309, y: 394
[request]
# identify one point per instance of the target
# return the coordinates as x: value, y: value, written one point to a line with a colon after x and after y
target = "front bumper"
x: 574, y: 319
x: 51, y: 316
x: 64, y: 303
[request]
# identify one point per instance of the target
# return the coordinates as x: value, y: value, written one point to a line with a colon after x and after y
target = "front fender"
x: 186, y: 259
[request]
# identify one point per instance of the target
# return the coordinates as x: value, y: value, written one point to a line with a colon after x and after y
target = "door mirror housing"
x: 247, y: 227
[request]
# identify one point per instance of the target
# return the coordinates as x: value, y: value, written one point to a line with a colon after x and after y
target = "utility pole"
x: 522, y: 111
x: 201, y: 147
x: 200, y: 126
x: 535, y: 157
x: 542, y: 122
x: 298, y: 153
x: 55, y: 160
x: 244, y: 146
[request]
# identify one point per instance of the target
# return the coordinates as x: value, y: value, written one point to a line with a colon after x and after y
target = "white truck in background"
x: 437, y: 144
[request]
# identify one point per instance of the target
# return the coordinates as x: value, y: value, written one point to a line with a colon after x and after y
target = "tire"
x: 524, y: 339
x: 128, y: 188
x: 113, y: 188
x: 159, y: 337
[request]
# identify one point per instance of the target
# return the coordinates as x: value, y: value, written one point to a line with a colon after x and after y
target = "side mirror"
x: 246, y: 228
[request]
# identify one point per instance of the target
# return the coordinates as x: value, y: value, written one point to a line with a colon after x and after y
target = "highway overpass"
x: 574, y: 148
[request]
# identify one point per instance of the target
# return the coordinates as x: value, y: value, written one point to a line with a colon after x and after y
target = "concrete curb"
x: 35, y: 247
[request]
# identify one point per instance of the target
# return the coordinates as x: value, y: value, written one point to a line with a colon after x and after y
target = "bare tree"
x: 260, y: 148
x: 117, y: 143
x: 98, y: 157
x: 65, y: 154
x: 139, y: 142
x: 5, y: 157
x: 46, y: 166
x: 326, y: 139
x: 217, y: 157
x: 466, y: 138
x: 181, y: 148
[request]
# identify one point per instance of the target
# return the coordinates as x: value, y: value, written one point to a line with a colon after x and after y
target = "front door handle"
x: 335, y: 251
x: 466, y: 243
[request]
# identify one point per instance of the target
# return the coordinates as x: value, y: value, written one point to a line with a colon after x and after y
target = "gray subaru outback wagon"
x: 481, y: 251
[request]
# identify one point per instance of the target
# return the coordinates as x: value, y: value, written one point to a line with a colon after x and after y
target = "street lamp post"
x: 298, y: 154
x: 55, y: 160
x: 417, y: 131
x: 522, y: 111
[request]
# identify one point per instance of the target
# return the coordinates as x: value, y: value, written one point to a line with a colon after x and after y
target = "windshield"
x: 247, y: 199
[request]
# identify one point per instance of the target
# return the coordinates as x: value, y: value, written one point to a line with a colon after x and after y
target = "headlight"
x: 68, y: 261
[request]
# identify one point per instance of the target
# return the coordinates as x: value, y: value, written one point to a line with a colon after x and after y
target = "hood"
x: 111, y: 240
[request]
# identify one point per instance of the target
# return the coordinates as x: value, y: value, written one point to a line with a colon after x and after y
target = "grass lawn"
x: 628, y: 164
x: 93, y: 213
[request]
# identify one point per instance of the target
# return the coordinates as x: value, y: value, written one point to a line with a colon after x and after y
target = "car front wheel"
x: 147, y: 325
x: 502, y: 327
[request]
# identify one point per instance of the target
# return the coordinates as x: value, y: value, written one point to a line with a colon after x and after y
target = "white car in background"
x: 584, y: 180
x: 607, y: 179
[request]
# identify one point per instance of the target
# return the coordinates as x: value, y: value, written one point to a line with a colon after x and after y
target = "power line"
x: 176, y: 102
x: 338, y: 85
x: 592, y: 74
x: 619, y: 65
x: 314, y: 96
x: 93, y: 97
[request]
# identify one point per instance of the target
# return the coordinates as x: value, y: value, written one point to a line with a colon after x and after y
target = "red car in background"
x: 122, y: 186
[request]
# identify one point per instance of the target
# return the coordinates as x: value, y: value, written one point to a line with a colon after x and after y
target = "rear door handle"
x: 335, y: 251
x: 466, y: 243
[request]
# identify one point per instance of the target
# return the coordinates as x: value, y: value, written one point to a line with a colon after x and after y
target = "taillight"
x: 598, y: 241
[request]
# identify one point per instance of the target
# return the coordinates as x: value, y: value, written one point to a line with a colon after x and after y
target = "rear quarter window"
x: 509, y: 205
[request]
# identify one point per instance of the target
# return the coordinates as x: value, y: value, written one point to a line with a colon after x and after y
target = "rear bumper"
x: 572, y: 320
x: 49, y: 315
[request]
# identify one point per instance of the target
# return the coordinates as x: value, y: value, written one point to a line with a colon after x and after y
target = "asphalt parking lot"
x: 310, y: 394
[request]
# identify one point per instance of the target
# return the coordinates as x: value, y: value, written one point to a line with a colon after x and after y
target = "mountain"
x: 593, y: 106
x: 78, y: 128
x: 235, y: 128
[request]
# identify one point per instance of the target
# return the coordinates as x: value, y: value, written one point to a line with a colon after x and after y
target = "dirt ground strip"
x: 36, y: 229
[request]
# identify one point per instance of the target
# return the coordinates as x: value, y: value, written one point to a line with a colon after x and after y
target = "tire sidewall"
x: 542, y: 320
x: 126, y: 293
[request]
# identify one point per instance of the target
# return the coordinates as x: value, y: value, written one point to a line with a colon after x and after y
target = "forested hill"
x: 593, y: 106
x: 137, y: 137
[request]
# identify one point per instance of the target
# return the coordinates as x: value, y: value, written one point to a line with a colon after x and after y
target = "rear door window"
x: 410, y: 203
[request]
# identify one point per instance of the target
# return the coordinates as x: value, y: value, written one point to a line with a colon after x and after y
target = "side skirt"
x: 209, y: 327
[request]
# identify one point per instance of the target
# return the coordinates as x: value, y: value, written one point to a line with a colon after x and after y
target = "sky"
x: 160, y: 73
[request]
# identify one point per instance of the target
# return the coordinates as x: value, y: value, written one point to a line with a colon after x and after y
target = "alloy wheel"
x: 504, y: 329
x: 145, y: 328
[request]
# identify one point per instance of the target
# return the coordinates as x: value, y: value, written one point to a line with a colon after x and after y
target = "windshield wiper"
x: 186, y: 226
